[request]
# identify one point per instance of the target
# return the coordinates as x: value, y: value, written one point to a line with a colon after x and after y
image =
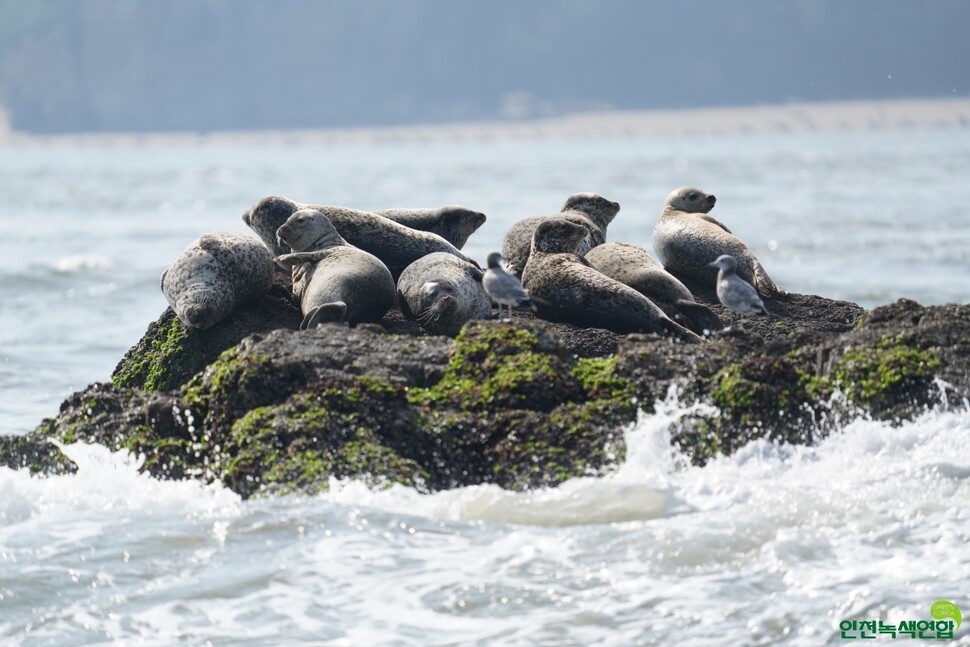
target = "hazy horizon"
x: 220, y: 65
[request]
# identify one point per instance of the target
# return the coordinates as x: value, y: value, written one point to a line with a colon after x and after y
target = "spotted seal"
x: 396, y: 245
x: 565, y: 287
x: 453, y: 223
x: 633, y: 266
x: 587, y: 209
x: 687, y: 240
x: 334, y: 281
x: 442, y: 292
x: 216, y: 274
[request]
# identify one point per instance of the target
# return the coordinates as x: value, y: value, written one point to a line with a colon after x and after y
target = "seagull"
x: 502, y: 287
x: 734, y: 293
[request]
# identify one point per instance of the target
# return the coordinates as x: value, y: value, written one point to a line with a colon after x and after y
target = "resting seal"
x: 687, y: 240
x: 587, y: 209
x: 453, y: 223
x: 333, y: 280
x: 216, y: 274
x: 565, y: 287
x: 396, y: 245
x: 442, y: 292
x: 633, y: 266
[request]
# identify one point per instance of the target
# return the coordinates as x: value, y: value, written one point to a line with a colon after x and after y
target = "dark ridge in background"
x: 202, y: 65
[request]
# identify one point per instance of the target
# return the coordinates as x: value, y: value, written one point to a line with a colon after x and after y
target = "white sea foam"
x: 775, y: 544
x: 105, y: 481
x: 84, y: 263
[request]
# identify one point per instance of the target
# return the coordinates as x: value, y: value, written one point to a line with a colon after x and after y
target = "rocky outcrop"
x: 262, y: 407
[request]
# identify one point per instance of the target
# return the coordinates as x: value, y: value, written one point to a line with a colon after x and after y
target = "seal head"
x: 333, y: 280
x: 215, y: 275
x: 442, y: 293
x: 308, y: 229
x: 396, y: 245
x: 454, y: 223
x: 266, y: 217
x: 587, y: 209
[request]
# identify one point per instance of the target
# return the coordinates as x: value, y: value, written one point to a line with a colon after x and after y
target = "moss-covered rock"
x: 38, y: 455
x: 890, y: 378
x: 169, y: 353
x: 154, y: 426
x: 165, y: 358
x: 235, y: 383
x: 600, y: 380
x: 764, y: 396
x: 354, y: 428
x: 572, y: 440
x: 282, y: 410
x: 494, y: 365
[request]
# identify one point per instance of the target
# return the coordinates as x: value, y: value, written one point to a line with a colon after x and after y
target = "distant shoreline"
x: 787, y: 118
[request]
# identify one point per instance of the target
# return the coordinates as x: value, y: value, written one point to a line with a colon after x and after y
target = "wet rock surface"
x: 263, y: 408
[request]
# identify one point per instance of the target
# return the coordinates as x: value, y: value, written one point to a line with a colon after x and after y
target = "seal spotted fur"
x: 216, y: 274
x: 687, y: 240
x: 587, y: 209
x: 565, y: 287
x: 633, y: 266
x: 396, y: 245
x: 442, y: 292
x: 453, y: 223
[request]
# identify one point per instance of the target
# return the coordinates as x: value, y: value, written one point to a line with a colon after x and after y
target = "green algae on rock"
x: 34, y: 453
x: 518, y: 366
x: 169, y: 354
x: 282, y: 410
x: 354, y: 428
x: 888, y: 378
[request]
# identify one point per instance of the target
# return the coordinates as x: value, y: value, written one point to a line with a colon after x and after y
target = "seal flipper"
x: 764, y: 284
x: 476, y: 274
x: 715, y: 221
x: 299, y: 258
x: 697, y: 316
x: 675, y: 329
x: 328, y: 312
x: 161, y: 281
x: 405, y: 308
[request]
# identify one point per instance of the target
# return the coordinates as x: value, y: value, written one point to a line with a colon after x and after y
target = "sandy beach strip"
x: 787, y: 118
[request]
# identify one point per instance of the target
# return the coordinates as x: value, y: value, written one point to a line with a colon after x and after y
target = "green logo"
x: 946, y: 620
x: 943, y: 609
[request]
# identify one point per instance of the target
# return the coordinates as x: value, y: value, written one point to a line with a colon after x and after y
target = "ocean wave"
x: 105, y: 480
x: 87, y: 263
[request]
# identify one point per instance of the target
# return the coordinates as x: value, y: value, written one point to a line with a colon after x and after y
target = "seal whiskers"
x: 442, y: 292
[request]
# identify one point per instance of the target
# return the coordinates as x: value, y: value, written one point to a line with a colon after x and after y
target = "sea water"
x: 773, y: 545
